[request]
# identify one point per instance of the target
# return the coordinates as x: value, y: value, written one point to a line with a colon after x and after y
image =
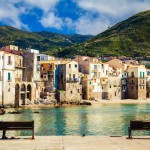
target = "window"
x: 143, y: 74
x: 76, y: 65
x: 20, y: 63
x: 50, y: 66
x: 95, y: 66
x: 132, y: 82
x: 115, y: 93
x: 69, y: 65
x: 38, y: 58
x: 69, y: 76
x: 9, y: 60
x: 71, y: 92
x: 106, y: 72
x: 110, y: 86
x: 127, y: 74
x: 9, y: 76
x: 140, y: 74
x: 74, y: 76
x: 132, y: 74
x: 90, y: 83
x: 95, y: 73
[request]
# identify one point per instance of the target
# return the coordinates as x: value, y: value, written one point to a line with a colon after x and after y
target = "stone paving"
x: 76, y: 143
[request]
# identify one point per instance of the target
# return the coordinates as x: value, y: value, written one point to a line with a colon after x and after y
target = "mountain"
x: 44, y: 41
x: 130, y: 37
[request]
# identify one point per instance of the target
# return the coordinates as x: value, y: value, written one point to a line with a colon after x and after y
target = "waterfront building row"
x: 28, y: 76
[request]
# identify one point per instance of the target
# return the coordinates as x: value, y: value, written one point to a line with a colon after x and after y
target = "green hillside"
x: 130, y: 37
x: 44, y: 41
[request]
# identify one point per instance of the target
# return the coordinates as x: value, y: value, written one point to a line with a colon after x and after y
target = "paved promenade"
x: 75, y: 143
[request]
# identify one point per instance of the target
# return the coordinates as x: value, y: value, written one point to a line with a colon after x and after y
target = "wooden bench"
x: 138, y: 125
x: 16, y: 125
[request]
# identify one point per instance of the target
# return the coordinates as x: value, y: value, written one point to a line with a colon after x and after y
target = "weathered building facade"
x: 69, y: 82
x: 136, y: 82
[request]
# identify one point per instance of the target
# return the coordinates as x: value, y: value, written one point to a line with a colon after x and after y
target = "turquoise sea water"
x: 101, y: 120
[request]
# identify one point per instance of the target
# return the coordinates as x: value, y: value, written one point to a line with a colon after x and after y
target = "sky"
x: 68, y: 16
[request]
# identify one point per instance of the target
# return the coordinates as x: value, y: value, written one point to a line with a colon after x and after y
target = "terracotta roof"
x: 12, y: 52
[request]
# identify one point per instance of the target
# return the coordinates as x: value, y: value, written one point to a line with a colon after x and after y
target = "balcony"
x: 20, y: 67
x: 18, y: 79
x: 72, y: 80
x: 95, y: 70
x: 142, y: 84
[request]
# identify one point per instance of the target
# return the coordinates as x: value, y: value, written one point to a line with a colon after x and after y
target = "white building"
x: 7, y: 70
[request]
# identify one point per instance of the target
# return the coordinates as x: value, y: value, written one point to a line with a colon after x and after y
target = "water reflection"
x: 110, y: 119
x: 83, y: 121
x: 60, y: 121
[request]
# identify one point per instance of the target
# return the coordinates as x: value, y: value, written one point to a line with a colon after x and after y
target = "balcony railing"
x: 72, y: 80
x: 18, y: 66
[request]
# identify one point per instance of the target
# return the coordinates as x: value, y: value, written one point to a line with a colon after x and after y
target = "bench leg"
x: 4, y: 135
x: 130, y: 133
x: 32, y: 134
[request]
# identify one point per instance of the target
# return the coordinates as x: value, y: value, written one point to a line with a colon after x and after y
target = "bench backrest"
x: 23, y: 124
x: 139, y: 125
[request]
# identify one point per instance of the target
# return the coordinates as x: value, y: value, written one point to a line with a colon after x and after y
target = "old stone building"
x: 69, y: 82
x: 136, y: 82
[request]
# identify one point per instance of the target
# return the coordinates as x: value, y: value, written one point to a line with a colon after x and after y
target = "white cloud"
x: 10, y: 15
x: 115, y: 8
x: 45, y: 5
x: 99, y: 14
x: 11, y: 11
x: 89, y: 25
x: 111, y: 9
x: 50, y: 20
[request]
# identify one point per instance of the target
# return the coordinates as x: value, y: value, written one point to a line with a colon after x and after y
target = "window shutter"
x: 9, y: 77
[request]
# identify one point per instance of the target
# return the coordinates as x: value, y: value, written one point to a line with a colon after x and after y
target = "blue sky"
x: 68, y: 16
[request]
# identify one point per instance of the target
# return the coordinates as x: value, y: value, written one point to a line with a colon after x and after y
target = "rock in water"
x: 2, y: 111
